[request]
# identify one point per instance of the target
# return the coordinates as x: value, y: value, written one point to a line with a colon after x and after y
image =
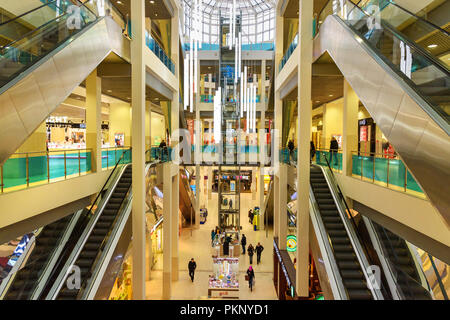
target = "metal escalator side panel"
x: 419, y: 134
x: 387, y: 270
x: 351, y: 232
x: 7, y: 282
x: 101, y: 265
x: 53, y: 293
x: 55, y: 255
x: 27, y: 100
x: 329, y: 261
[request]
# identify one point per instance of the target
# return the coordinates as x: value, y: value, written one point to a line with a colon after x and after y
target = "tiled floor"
x: 197, y: 244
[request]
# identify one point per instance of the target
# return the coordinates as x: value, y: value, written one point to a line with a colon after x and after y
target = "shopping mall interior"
x: 224, y: 150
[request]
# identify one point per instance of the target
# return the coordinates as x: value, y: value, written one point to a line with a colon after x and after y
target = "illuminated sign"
x: 291, y: 245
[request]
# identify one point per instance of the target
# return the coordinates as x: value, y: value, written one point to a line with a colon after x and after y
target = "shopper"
x: 213, y: 236
x: 162, y: 148
x: 192, y: 266
x: 250, y: 216
x: 312, y: 151
x: 231, y: 203
x: 291, y: 148
x: 334, y: 146
x: 243, y: 243
x: 250, y: 251
x: 250, y: 277
x: 259, y: 249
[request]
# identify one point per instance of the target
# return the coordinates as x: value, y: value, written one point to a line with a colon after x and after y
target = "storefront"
x: 229, y: 181
x: 283, y: 273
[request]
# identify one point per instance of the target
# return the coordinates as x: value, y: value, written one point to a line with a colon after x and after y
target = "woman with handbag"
x: 250, y: 277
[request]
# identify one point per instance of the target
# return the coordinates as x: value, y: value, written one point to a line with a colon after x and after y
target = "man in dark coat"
x: 334, y: 146
x: 192, y: 266
x: 259, y: 249
x: 243, y: 243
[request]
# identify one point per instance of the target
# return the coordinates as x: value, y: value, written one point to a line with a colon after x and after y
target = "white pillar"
x: 349, y: 128
x: 138, y: 145
x: 175, y: 114
x: 262, y: 142
x: 94, y: 120
x: 198, y: 148
x: 303, y: 138
x: 167, y: 231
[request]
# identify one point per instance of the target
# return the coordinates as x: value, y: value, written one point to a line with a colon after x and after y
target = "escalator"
x: 27, y: 283
x: 40, y: 65
x: 113, y: 211
x: 187, y: 198
x: 346, y: 250
x: 402, y: 84
x: 404, y: 272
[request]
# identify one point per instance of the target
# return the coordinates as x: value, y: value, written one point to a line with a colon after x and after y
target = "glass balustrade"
x: 289, y: 52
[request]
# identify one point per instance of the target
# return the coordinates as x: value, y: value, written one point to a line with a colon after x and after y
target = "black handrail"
x: 81, y: 225
x: 341, y: 195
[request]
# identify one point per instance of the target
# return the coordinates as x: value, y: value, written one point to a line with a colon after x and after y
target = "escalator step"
x: 107, y: 219
x: 348, y: 265
x: 345, y: 255
x: 329, y: 213
x: 95, y: 239
x: 103, y: 224
x: 87, y: 254
x: 331, y: 219
x: 355, y: 284
x: 108, y: 212
x: 110, y: 206
x: 327, y: 206
x: 352, y: 274
x: 334, y: 226
x: 84, y: 262
x: 341, y: 241
x: 115, y: 200
x: 321, y: 190
x: 92, y: 246
x: 100, y: 232
x: 325, y: 201
x: 359, y: 294
x: 342, y: 248
x: 337, y: 233
x: 319, y: 186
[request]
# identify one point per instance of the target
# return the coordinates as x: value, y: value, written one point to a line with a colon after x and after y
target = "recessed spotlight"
x: 156, y: 14
x: 119, y: 2
x: 152, y: 2
x: 128, y: 98
x: 109, y: 90
x: 317, y: 101
x: 432, y: 46
x: 330, y: 95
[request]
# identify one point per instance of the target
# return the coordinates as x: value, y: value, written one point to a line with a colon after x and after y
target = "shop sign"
x: 291, y: 245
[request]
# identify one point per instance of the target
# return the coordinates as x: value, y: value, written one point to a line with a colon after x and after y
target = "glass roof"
x: 258, y: 19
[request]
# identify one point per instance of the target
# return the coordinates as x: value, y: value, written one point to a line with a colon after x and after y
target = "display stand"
x: 224, y: 283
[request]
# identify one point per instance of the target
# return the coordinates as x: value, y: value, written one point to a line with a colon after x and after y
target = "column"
x: 167, y: 231
x: 175, y: 121
x: 253, y: 188
x: 198, y: 148
x: 304, y: 137
x: 282, y: 217
x: 262, y: 142
x: 210, y: 182
x: 323, y: 138
x: 94, y: 119
x: 138, y: 148
x: 350, y: 128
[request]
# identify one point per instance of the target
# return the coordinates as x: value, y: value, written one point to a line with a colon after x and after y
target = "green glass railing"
x: 48, y: 27
x: 385, y: 170
x: 289, y: 52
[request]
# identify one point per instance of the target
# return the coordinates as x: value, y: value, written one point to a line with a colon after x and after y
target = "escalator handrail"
x: 406, y: 83
x: 352, y: 219
x: 28, y: 12
x: 86, y: 218
x: 405, y: 39
x: 395, y: 268
x: 42, y: 27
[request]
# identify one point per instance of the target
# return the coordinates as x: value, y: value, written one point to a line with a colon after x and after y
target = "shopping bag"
x: 246, y: 277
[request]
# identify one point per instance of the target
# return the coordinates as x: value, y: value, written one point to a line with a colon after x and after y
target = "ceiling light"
x: 152, y: 2
x: 109, y: 90
x: 432, y: 46
x: 156, y: 14
x: 330, y: 95
x: 119, y: 2
x: 317, y: 101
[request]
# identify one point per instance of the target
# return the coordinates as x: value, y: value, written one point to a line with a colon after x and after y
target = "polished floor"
x: 196, y: 243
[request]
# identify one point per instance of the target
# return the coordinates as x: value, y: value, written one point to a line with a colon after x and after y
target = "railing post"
x: 79, y: 162
x: 28, y: 171
x: 361, y: 166
x: 107, y: 159
x: 387, y: 180
x: 373, y: 175
x: 406, y: 177
x: 48, y: 167
x: 1, y: 175
x: 65, y: 164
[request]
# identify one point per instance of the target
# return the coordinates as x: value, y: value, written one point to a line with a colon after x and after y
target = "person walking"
x: 250, y: 216
x: 213, y: 236
x: 312, y: 151
x: 243, y: 243
x: 250, y: 251
x: 334, y: 146
x: 250, y: 277
x: 259, y: 249
x: 291, y: 148
x: 192, y: 266
x: 231, y: 203
x: 162, y: 148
